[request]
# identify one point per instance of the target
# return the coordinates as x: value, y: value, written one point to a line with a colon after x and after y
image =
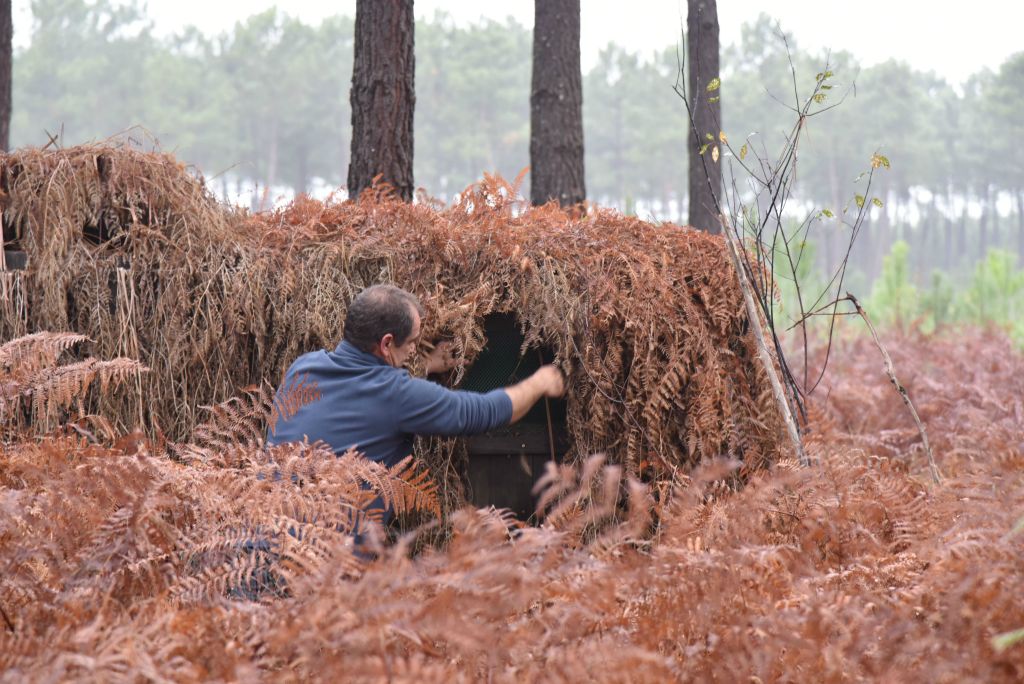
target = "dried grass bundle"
x: 129, y: 249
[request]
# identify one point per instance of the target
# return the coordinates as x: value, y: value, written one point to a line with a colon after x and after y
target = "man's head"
x: 384, y: 320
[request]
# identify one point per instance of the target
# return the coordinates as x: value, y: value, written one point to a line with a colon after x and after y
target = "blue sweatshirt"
x: 378, y: 409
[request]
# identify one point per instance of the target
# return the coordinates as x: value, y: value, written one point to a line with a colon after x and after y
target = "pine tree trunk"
x: 383, y: 96
x: 919, y: 238
x: 883, y: 227
x: 6, y: 72
x: 705, y: 174
x: 997, y: 229
x: 556, y: 105
x: 619, y: 156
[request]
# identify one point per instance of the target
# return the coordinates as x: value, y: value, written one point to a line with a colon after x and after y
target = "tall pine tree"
x: 6, y: 68
x: 556, y: 105
x: 383, y: 96
x: 705, y: 173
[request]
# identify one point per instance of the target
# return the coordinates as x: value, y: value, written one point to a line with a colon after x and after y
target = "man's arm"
x: 546, y: 382
x: 426, y: 408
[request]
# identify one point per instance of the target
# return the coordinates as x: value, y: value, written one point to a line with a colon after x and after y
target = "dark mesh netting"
x: 505, y: 463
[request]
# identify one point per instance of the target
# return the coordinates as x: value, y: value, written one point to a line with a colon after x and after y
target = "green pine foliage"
x: 996, y: 293
x: 894, y: 299
x: 994, y: 296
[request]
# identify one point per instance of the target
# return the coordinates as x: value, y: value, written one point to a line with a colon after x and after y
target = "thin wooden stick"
x: 547, y: 410
x: 891, y: 372
x: 762, y: 350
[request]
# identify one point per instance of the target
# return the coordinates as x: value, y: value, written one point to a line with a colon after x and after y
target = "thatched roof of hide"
x: 130, y: 249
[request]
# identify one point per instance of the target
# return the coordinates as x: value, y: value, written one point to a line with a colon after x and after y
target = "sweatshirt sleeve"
x: 426, y: 408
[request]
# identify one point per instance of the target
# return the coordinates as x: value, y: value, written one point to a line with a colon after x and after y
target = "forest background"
x: 262, y: 111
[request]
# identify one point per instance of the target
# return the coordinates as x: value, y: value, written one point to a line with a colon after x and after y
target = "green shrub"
x: 993, y: 296
x: 893, y: 298
x: 995, y: 293
x: 938, y: 302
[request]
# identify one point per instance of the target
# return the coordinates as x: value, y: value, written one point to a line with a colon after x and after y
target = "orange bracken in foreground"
x: 125, y: 563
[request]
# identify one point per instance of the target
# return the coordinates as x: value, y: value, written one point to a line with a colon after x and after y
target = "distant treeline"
x: 266, y: 103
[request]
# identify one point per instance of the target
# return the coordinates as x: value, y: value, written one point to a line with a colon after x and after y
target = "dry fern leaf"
x: 38, y: 350
x: 235, y: 425
x: 293, y: 395
x: 405, y: 487
x: 55, y: 388
x: 414, y: 486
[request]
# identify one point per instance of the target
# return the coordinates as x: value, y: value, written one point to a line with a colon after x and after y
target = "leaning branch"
x: 891, y: 372
x: 762, y: 349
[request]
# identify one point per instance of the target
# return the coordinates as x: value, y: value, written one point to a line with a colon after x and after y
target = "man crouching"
x: 370, y: 403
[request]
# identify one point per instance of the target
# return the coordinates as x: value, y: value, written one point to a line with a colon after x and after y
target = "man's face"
x: 397, y: 354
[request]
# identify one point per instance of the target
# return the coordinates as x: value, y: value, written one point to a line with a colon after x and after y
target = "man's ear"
x: 387, y: 341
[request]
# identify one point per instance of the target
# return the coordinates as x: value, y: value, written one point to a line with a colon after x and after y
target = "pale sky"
x: 952, y: 42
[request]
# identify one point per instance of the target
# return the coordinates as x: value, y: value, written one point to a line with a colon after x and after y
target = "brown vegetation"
x: 202, y: 554
x: 128, y: 249
x: 117, y: 561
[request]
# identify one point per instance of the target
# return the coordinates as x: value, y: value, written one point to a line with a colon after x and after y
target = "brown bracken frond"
x: 691, y: 552
x: 235, y: 428
x: 33, y: 384
x: 117, y: 561
x: 26, y: 354
x: 293, y: 395
x: 405, y: 487
x: 60, y: 386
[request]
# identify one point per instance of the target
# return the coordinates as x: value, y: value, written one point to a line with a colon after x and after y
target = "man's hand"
x: 547, y: 381
x: 551, y: 380
x: 441, y: 358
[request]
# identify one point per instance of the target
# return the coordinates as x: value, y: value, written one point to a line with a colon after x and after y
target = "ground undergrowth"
x: 124, y: 557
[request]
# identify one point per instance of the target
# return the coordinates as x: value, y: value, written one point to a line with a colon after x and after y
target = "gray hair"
x: 377, y: 311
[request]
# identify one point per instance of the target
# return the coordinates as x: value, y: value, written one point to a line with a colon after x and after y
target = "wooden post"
x: 762, y: 350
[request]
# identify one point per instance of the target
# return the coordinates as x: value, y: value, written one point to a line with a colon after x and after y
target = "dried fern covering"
x: 130, y: 250
x: 118, y: 563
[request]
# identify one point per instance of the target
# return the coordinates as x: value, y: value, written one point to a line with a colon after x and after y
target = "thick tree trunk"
x: 556, y: 105
x: 383, y: 96
x: 705, y: 174
x: 6, y: 72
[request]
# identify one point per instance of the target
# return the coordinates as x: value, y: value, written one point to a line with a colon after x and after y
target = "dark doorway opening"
x: 505, y: 464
